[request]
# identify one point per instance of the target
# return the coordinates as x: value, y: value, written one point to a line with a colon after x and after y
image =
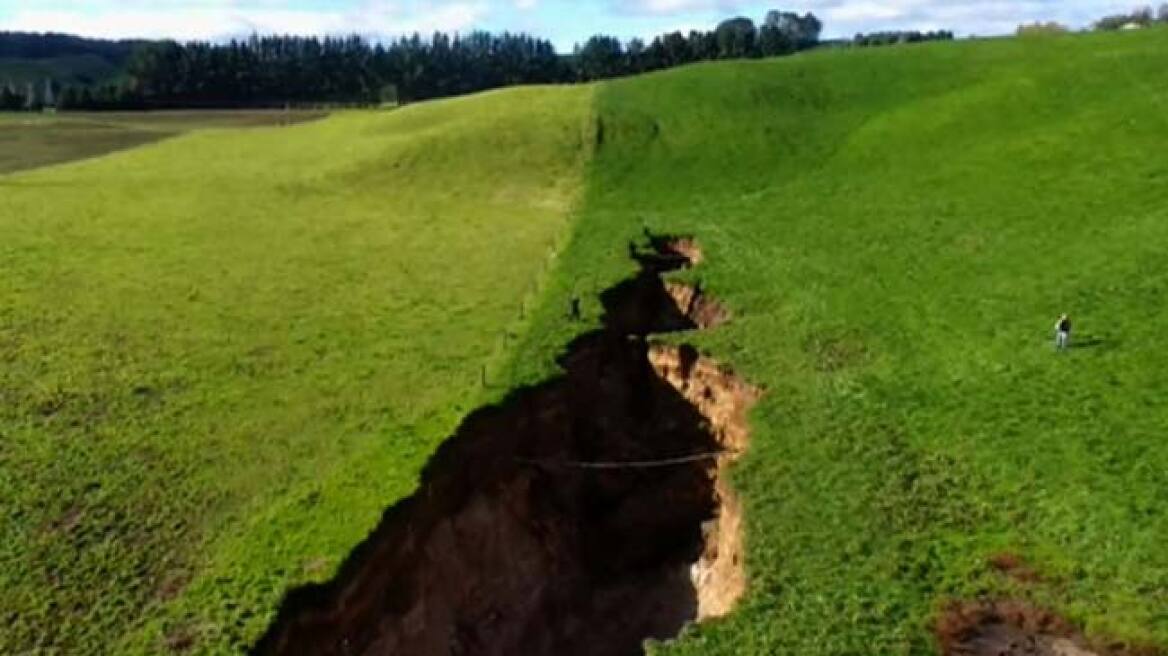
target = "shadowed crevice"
x: 579, y: 516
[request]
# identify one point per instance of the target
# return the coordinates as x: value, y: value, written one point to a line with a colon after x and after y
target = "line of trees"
x: 893, y: 38
x: 781, y: 33
x: 1143, y: 17
x: 13, y: 100
x: 30, y: 45
x: 288, y: 70
x: 1040, y: 28
x: 51, y: 95
x: 300, y: 70
x: 71, y: 58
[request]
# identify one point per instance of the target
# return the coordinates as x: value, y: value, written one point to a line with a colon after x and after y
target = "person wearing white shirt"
x: 1062, y: 332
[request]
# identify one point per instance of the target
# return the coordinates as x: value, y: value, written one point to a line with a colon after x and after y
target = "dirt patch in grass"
x: 1014, y: 628
x: 684, y: 247
x: 701, y: 310
x: 666, y: 253
x: 179, y: 640
x: 581, y: 516
x: 1013, y: 566
x: 68, y: 520
x: 172, y: 585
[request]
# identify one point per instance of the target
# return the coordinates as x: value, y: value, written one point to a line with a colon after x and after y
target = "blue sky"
x: 564, y: 21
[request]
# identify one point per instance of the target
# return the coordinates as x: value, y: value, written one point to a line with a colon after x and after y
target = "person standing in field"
x: 1062, y: 332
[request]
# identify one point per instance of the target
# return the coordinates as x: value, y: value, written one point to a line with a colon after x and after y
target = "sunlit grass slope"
x: 896, y: 231
x: 223, y: 355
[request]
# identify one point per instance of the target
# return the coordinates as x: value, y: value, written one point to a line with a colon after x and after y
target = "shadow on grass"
x: 1092, y: 342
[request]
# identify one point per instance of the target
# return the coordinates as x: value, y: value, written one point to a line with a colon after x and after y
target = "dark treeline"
x: 307, y: 71
x: 31, y: 48
x: 781, y: 33
x: 892, y: 38
x: 303, y: 71
x: 279, y: 71
x: 298, y: 70
x: 30, y: 98
x: 28, y: 45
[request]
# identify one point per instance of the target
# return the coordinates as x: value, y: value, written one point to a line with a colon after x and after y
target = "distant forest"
x: 279, y: 71
x: 22, y: 45
x: 33, y: 66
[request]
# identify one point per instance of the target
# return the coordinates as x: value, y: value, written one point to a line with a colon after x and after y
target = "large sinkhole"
x: 580, y: 516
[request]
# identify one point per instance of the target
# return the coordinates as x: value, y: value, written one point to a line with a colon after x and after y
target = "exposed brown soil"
x: 581, y: 516
x: 1013, y: 628
x: 703, y: 311
x: 68, y: 521
x: 666, y: 253
x: 179, y: 641
x: 1013, y: 566
x: 724, y: 400
x: 172, y: 585
x: 686, y: 247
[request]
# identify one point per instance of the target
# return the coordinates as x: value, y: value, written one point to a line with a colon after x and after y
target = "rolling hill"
x: 896, y: 232
x: 227, y: 353
x: 215, y: 343
x: 27, y: 58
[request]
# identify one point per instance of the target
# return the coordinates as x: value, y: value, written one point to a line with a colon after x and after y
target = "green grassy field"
x: 896, y: 232
x: 29, y: 141
x: 224, y: 354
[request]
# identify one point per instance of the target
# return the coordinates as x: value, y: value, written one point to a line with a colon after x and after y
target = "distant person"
x: 1062, y: 332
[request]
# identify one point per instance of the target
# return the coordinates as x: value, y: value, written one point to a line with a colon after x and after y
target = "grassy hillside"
x: 224, y: 353
x: 896, y: 232
x: 66, y: 60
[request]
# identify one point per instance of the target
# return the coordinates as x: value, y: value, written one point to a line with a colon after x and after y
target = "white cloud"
x: 670, y: 7
x: 843, y: 17
x: 859, y: 12
x: 564, y: 20
x: 212, y: 19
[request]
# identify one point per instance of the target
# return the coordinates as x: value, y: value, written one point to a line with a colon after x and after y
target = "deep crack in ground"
x: 514, y: 544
